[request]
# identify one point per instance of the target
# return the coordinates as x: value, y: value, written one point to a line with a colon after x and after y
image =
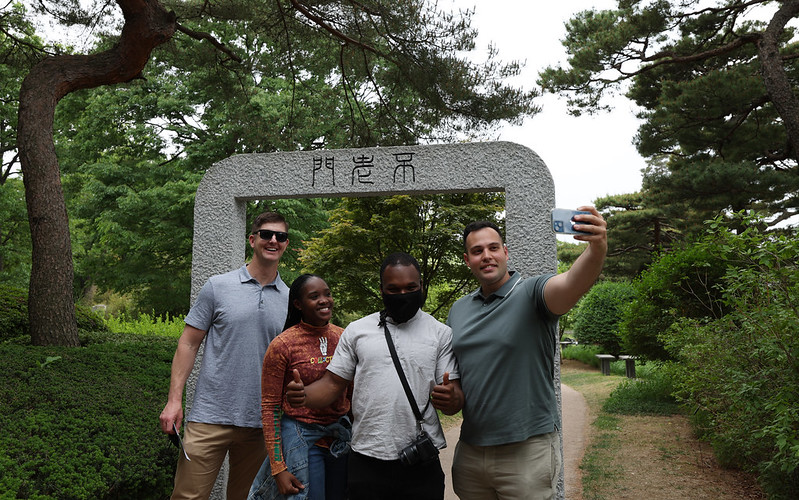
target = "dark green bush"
x: 600, y: 312
x: 14, y: 314
x: 82, y: 423
x: 680, y: 284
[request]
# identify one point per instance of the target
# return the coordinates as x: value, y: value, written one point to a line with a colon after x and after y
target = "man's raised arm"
x: 564, y: 290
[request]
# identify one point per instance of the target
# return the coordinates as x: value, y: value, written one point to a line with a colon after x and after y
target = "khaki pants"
x: 528, y: 470
x: 206, y: 445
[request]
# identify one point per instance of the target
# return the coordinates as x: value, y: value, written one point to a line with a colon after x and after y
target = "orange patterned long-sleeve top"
x: 308, y: 349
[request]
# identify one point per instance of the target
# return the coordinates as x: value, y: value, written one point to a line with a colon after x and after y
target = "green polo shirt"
x: 505, y: 345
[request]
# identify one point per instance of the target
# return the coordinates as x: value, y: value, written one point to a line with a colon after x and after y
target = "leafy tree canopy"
x: 640, y: 231
x: 715, y: 83
x: 19, y: 48
x: 14, y: 236
x: 363, y: 231
x: 200, y: 81
x: 364, y: 73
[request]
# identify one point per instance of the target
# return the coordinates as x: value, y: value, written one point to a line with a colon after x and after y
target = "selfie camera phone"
x: 563, y: 221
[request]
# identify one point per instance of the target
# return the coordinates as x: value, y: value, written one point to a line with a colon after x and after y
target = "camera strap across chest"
x: 411, y: 399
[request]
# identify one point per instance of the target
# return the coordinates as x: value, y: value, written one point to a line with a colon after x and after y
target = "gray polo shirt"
x: 240, y: 317
x: 505, y: 345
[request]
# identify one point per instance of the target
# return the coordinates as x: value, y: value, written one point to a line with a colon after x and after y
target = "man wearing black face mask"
x: 383, y: 421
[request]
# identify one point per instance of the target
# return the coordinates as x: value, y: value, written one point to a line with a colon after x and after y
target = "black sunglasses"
x: 266, y: 234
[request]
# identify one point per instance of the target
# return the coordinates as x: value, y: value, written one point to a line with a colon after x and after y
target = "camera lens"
x: 408, y: 455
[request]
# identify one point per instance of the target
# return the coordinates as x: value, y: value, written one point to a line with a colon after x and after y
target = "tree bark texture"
x: 775, y: 78
x: 51, y: 308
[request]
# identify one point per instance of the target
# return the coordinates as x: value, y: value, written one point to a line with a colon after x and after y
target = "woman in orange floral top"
x: 307, y: 447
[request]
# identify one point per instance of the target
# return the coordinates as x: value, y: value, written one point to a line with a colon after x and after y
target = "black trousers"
x: 372, y: 479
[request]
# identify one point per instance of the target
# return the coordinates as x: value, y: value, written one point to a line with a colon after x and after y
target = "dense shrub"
x: 648, y: 395
x: 14, y: 314
x: 600, y: 312
x: 82, y: 423
x: 583, y: 353
x: 740, y: 370
x: 680, y: 284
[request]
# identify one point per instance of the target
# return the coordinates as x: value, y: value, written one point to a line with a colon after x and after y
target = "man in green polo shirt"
x: 505, y: 338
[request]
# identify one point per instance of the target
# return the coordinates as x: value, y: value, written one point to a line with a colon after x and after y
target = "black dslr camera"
x: 420, y: 451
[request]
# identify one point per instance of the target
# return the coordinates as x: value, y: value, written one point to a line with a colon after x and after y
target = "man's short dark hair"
x: 399, y: 259
x: 476, y: 226
x: 266, y: 218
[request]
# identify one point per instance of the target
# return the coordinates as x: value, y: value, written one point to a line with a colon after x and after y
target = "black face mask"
x: 402, y: 306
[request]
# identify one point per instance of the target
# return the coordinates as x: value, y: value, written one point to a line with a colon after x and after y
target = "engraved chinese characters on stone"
x: 365, y: 170
x: 328, y: 163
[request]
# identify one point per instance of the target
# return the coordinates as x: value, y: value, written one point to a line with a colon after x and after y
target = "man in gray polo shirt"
x: 504, y: 337
x: 237, y: 314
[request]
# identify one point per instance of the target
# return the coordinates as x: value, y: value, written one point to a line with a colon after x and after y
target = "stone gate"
x: 220, y: 225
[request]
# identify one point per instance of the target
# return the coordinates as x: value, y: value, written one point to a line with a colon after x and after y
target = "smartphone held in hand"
x: 563, y: 221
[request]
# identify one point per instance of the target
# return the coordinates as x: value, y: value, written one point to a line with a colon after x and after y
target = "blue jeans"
x: 323, y: 471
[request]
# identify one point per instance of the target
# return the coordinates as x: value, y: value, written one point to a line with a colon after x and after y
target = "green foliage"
x: 18, y: 46
x: 679, y: 284
x: 13, y: 312
x: 145, y: 324
x: 740, y: 368
x: 81, y: 423
x: 714, y: 123
x: 14, y: 315
x: 566, y: 322
x: 568, y: 253
x: 645, y: 395
x: 600, y: 313
x: 583, y: 353
x: 88, y: 319
x: 116, y: 304
x: 15, y: 240
x: 640, y: 230
x: 132, y: 217
x: 405, y: 78
x: 363, y: 231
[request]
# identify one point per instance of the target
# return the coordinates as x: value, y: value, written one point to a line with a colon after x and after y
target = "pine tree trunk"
x: 775, y: 78
x: 51, y: 309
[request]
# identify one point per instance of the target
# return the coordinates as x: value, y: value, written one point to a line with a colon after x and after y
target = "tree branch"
x: 292, y: 68
x: 669, y: 57
x: 335, y: 32
x: 199, y: 35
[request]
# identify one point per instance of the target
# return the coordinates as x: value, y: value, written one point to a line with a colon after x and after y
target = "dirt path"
x: 640, y: 457
x: 651, y: 457
x: 575, y: 429
x: 659, y: 458
x: 575, y: 433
